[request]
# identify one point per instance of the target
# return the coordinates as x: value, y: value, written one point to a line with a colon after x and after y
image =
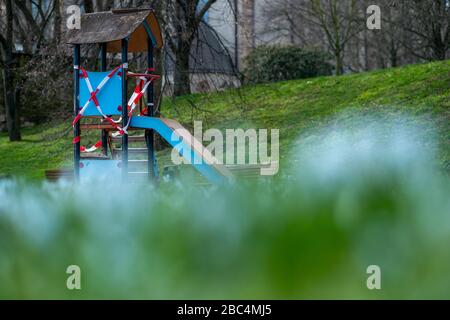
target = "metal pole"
x: 103, y: 69
x: 150, y: 134
x: 124, y: 108
x: 236, y: 35
x: 76, y: 107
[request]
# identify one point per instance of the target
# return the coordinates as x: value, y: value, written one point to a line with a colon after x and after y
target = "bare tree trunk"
x: 338, y: 23
x: 88, y: 6
x: 393, y: 54
x: 339, y: 63
x: 440, y: 29
x: 181, y: 20
x: 57, y: 24
x: 12, y: 112
x: 246, y: 31
x: 338, y: 55
x: 439, y: 49
x: 181, y: 73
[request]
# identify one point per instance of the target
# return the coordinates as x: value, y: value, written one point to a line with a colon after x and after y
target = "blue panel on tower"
x: 109, y: 97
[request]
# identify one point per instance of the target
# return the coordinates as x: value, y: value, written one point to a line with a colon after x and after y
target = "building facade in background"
x: 232, y: 29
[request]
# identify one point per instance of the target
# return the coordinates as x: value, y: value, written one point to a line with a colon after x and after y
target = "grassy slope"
x: 293, y: 106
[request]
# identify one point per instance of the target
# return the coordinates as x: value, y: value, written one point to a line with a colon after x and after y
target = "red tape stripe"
x: 114, y: 71
x: 94, y: 98
x: 84, y: 73
x: 98, y: 144
x: 77, y: 118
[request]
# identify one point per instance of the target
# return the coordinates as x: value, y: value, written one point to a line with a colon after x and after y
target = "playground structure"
x: 104, y: 95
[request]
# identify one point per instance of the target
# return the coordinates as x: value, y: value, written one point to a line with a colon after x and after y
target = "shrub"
x: 47, y: 92
x: 276, y: 63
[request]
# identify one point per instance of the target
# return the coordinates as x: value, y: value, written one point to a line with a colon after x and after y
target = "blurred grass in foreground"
x: 352, y: 198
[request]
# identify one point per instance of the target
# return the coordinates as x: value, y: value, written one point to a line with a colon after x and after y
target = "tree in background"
x: 38, y: 28
x: 337, y: 19
x: 412, y: 30
x: 332, y: 22
x: 7, y: 47
x: 429, y: 28
x: 378, y: 48
x: 181, y: 20
x: 389, y: 41
x: 28, y: 26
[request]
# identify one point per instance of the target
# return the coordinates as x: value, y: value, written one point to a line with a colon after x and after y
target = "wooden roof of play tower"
x: 111, y: 27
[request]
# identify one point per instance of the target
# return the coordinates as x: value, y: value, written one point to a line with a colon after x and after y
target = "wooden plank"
x: 137, y: 165
x: 96, y: 126
x: 247, y: 166
x: 112, y: 26
x: 93, y: 155
x: 247, y: 170
x: 102, y: 126
x: 57, y: 174
x: 106, y: 26
x: 118, y: 151
x: 130, y: 139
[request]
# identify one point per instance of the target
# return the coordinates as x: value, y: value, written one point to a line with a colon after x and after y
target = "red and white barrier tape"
x: 145, y: 80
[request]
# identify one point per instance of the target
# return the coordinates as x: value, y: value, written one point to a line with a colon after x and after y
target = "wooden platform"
x: 136, y: 168
x: 247, y: 170
x: 130, y: 139
x: 132, y: 151
x: 93, y: 156
x: 59, y: 174
x: 102, y: 126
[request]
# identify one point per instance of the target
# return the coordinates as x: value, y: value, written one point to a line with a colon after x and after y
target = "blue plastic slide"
x: 187, y: 146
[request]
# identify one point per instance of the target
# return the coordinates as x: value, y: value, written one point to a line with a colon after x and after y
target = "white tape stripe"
x: 130, y: 103
x: 91, y: 149
x: 88, y: 83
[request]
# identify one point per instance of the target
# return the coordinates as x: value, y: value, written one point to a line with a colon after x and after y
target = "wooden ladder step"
x: 56, y: 174
x: 101, y: 126
x: 132, y: 150
x: 137, y: 165
x: 130, y: 139
x: 138, y: 176
x: 93, y: 155
x: 138, y: 161
x: 247, y: 171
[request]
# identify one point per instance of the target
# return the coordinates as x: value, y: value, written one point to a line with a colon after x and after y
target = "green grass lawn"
x: 295, y: 107
x: 362, y: 188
